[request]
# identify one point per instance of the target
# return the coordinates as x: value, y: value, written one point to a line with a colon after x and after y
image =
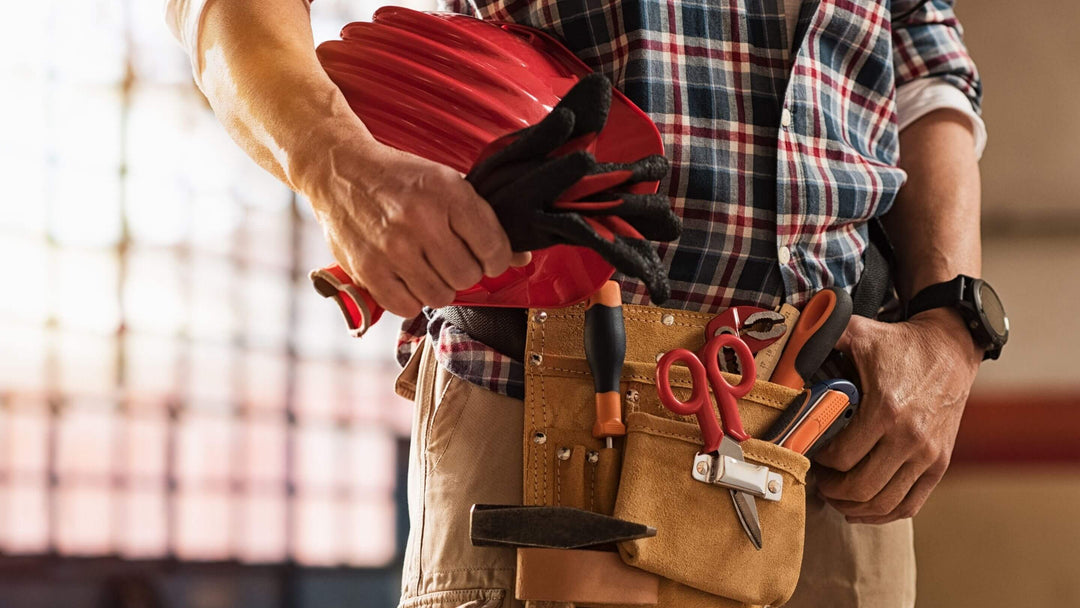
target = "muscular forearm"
x: 259, y: 70
x: 934, y: 223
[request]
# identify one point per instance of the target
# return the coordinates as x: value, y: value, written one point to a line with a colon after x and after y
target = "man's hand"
x: 411, y: 231
x: 915, y: 378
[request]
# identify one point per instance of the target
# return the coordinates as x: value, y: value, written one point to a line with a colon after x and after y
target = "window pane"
x: 372, y: 460
x: 203, y: 530
x: 212, y: 379
x: 265, y: 307
x: 370, y: 540
x: 143, y: 529
x: 319, y: 457
x: 264, y: 380
x: 213, y: 299
x: 87, y: 364
x: 22, y: 360
x: 143, y: 451
x: 24, y: 514
x: 87, y: 290
x: 153, y: 295
x: 215, y: 219
x: 85, y: 442
x: 25, y: 263
x: 262, y: 528
x: 264, y: 453
x: 320, y: 390
x: 88, y: 119
x: 25, y: 187
x: 151, y: 366
x: 26, y: 440
x: 318, y: 531
x: 85, y: 206
x: 156, y: 208
x: 84, y: 522
x: 267, y: 237
x: 204, y: 449
x: 88, y: 41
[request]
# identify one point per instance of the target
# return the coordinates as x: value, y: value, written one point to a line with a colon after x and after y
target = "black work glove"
x: 547, y: 190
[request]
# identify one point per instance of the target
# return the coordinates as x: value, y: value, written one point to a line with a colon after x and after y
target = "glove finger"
x: 589, y: 100
x: 533, y: 142
x: 631, y: 257
x: 609, y: 177
x: 540, y: 187
x: 650, y: 214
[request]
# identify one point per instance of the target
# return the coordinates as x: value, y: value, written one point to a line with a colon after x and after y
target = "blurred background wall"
x: 182, y: 418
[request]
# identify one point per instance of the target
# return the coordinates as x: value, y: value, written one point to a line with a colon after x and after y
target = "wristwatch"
x: 976, y: 301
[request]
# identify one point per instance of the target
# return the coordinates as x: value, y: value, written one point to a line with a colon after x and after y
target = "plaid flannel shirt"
x: 779, y: 157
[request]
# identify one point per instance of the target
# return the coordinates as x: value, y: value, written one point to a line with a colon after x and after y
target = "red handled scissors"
x: 707, y: 367
x: 721, y: 438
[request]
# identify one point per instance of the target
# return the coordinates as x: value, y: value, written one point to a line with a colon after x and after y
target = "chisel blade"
x: 550, y: 527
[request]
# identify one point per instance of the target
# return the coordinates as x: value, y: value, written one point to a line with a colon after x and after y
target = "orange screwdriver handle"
x: 605, y: 350
x: 831, y: 406
x: 822, y: 322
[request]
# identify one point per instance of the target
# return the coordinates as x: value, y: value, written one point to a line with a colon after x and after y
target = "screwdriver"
x: 605, y: 350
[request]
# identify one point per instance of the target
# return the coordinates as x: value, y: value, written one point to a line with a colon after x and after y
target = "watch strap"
x: 938, y: 295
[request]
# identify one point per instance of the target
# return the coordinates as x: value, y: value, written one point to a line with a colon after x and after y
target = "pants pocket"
x: 458, y: 598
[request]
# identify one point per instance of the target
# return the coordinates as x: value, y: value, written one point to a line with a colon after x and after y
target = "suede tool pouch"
x: 700, y: 542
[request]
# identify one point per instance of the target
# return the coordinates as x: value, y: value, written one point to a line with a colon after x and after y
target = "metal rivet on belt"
x: 774, y: 487
x: 659, y: 356
x: 536, y: 358
x: 539, y: 437
x: 702, y: 468
x: 563, y: 454
x: 632, y: 396
x: 592, y: 456
x: 540, y: 317
x: 668, y: 319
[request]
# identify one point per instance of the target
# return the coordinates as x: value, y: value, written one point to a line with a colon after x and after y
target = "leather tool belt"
x: 700, y: 552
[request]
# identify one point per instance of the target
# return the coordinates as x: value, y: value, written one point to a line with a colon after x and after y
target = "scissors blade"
x: 746, y: 509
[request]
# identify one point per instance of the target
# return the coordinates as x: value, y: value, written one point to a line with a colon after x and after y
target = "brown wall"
x: 997, y: 535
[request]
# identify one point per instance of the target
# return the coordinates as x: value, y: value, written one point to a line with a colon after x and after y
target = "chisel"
x: 605, y: 350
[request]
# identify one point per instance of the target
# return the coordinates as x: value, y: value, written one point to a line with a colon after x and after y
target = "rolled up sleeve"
x: 928, y: 42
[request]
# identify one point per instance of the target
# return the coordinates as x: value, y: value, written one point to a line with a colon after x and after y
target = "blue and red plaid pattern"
x: 779, y: 157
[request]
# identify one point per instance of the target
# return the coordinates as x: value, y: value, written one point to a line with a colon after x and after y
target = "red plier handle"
x: 360, y: 309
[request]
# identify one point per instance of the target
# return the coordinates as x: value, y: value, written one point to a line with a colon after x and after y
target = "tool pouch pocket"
x: 700, y: 542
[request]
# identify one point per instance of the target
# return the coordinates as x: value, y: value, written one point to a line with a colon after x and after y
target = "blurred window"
x: 170, y: 384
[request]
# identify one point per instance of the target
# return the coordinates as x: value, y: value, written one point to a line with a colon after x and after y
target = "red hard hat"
x: 443, y: 86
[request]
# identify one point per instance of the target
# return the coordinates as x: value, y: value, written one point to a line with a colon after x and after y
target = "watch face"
x: 992, y: 310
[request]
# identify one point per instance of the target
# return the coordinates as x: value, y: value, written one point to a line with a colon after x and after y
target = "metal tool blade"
x: 550, y: 527
x: 746, y: 509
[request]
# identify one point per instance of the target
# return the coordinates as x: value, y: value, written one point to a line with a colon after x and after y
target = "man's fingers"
x: 885, y: 501
x: 392, y: 294
x: 909, y: 506
x: 856, y: 330
x: 455, y: 264
x: 425, y: 284
x: 478, y: 227
x: 866, y: 480
x: 853, y: 443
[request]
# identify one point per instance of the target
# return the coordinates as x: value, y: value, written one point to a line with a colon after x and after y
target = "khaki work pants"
x: 467, y: 448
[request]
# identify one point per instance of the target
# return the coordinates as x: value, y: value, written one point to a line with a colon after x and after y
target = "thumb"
x: 855, y: 328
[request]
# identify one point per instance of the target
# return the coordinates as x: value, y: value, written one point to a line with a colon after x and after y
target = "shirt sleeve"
x: 918, y: 98
x: 928, y: 42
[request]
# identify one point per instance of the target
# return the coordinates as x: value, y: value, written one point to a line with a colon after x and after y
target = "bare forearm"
x: 261, y: 76
x: 934, y: 224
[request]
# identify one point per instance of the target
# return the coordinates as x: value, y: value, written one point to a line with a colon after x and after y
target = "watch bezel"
x: 996, y: 340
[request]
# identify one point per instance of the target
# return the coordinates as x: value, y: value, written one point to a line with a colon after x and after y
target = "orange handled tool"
x: 605, y: 349
x: 815, y: 416
x: 822, y: 322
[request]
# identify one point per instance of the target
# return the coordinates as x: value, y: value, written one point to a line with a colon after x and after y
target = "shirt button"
x: 785, y: 118
x: 784, y: 254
